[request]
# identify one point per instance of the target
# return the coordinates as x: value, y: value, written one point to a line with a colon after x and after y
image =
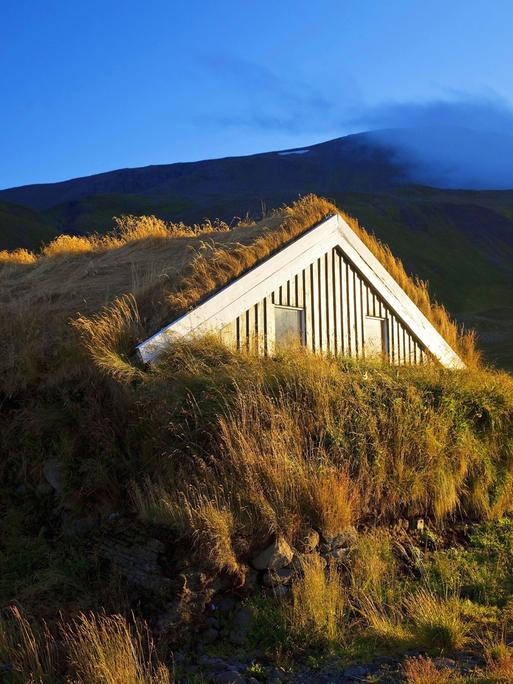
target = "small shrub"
x: 499, y: 660
x: 17, y: 256
x: 437, y: 622
x: 64, y: 245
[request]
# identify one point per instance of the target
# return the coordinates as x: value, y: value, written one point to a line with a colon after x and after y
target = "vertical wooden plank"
x: 343, y: 305
x: 315, y: 306
x: 307, y: 294
x: 323, y: 331
x: 260, y: 318
x: 250, y: 328
x: 299, y: 290
x: 361, y: 316
x: 356, y: 313
x: 337, y: 306
x: 349, y: 309
x: 391, y: 337
x: 269, y: 325
x: 330, y: 302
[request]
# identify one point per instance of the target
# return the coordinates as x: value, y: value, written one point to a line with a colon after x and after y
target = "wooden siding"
x: 336, y: 299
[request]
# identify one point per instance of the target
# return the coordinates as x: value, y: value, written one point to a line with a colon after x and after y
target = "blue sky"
x: 99, y: 85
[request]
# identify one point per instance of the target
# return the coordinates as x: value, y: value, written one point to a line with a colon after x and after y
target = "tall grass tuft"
x: 318, y: 612
x: 31, y: 652
x: 107, y: 650
x: 437, y: 622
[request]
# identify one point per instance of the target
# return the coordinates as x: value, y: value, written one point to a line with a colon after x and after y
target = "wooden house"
x: 325, y: 290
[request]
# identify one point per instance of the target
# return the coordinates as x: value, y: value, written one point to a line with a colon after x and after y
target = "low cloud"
x: 465, y: 142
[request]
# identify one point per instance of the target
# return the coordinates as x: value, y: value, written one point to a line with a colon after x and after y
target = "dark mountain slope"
x: 459, y: 240
x: 349, y: 163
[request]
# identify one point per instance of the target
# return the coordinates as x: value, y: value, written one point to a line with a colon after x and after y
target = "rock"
x: 297, y: 564
x: 308, y: 541
x: 356, y: 672
x: 417, y: 524
x: 210, y: 635
x: 52, y: 471
x: 43, y: 488
x: 339, y: 555
x: 211, y: 663
x: 229, y: 677
x: 240, y: 626
x: 251, y: 580
x: 276, y: 556
x: 138, y: 563
x: 223, y: 604
x: 274, y: 578
x: 345, y: 539
x: 78, y: 527
x: 280, y: 591
x: 444, y: 663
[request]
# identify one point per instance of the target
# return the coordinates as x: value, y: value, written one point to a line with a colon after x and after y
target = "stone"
x: 223, y: 604
x: 445, y: 663
x: 356, y: 672
x: 308, y: 541
x: 297, y: 564
x: 345, y: 539
x: 229, y: 677
x: 138, y: 563
x: 417, y: 524
x: 280, y: 591
x: 211, y: 663
x: 339, y: 555
x: 52, y: 471
x: 78, y: 527
x: 276, y: 556
x: 240, y: 625
x: 274, y: 578
x: 251, y: 580
x: 210, y: 635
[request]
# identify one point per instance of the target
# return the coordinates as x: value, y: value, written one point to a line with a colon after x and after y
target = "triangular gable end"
x: 258, y: 285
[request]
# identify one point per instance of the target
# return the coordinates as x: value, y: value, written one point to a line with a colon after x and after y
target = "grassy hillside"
x: 460, y: 241
x: 136, y: 503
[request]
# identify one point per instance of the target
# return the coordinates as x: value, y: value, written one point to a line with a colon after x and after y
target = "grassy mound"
x: 140, y: 277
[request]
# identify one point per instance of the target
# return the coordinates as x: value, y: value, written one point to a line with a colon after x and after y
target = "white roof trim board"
x: 232, y: 300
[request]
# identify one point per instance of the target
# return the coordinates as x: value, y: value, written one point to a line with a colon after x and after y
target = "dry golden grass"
x: 437, y: 622
x: 319, y: 604
x: 383, y: 623
x: 302, y: 440
x: 208, y: 522
x: 92, y: 649
x: 106, y: 333
x: 499, y: 660
x: 167, y: 268
x: 423, y: 670
x: 17, y: 256
x: 106, y: 650
x: 372, y: 564
x: 30, y: 652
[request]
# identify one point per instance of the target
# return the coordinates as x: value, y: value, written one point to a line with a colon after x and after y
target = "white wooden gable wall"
x: 339, y: 285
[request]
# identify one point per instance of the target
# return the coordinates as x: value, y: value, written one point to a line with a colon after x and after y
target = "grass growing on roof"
x: 167, y: 268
